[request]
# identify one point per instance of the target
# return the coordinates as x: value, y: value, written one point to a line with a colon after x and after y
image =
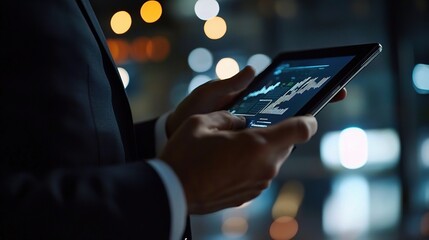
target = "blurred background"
x: 365, y: 175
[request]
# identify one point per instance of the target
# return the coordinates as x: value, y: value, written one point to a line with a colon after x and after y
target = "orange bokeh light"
x: 119, y: 49
x: 138, y: 49
x: 141, y: 49
x: 284, y: 228
x: 151, y: 11
x: 158, y: 48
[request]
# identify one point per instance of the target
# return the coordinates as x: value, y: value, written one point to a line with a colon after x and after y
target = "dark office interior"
x: 165, y: 50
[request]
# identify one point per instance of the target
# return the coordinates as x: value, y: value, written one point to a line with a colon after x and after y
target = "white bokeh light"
x: 259, y: 62
x: 226, y: 68
x: 198, y: 81
x: 200, y: 60
x: 353, y: 148
x: 206, y: 9
x: 124, y: 76
x: 424, y: 152
x: 382, y: 148
x: 421, y: 78
x: 347, y: 210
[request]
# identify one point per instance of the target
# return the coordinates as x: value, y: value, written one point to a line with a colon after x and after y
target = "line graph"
x: 264, y: 90
x: 299, y: 88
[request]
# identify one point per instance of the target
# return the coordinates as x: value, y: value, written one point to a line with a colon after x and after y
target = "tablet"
x: 301, y: 82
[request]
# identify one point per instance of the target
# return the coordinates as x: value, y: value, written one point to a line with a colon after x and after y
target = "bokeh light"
x: 353, y: 148
x: 138, y: 49
x: 424, y: 152
x: 289, y: 200
x: 124, y: 76
x: 284, y: 228
x: 215, y: 28
x: 347, y: 211
x: 150, y: 49
x: 120, y: 22
x: 151, y: 11
x: 421, y: 78
x: 200, y: 60
x: 259, y: 62
x: 119, y: 49
x: 206, y: 9
x: 226, y: 68
x: 158, y: 48
x: 197, y: 81
x: 383, y: 149
x: 235, y: 227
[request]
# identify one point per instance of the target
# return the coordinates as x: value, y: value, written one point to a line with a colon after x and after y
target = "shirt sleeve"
x: 161, y: 133
x: 176, y: 197
x: 175, y: 192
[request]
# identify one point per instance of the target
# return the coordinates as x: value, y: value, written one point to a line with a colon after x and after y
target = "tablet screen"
x: 283, y: 90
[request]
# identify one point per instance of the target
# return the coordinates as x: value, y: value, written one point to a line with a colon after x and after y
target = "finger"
x: 340, y: 95
x: 238, y: 82
x: 221, y: 120
x: 292, y: 131
x: 218, y: 94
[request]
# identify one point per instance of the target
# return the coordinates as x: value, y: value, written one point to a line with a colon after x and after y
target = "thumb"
x: 238, y: 82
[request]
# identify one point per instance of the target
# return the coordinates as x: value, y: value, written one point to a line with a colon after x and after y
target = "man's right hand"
x: 222, y: 165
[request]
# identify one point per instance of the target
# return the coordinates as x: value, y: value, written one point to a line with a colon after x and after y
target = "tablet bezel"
x: 362, y: 55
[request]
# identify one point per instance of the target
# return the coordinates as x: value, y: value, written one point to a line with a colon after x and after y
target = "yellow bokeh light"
x: 151, y: 11
x: 215, y: 28
x: 121, y: 22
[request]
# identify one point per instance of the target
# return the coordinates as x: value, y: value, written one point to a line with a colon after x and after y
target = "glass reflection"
x: 346, y: 211
x: 357, y: 208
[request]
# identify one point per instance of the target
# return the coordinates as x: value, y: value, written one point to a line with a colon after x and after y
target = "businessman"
x: 73, y: 165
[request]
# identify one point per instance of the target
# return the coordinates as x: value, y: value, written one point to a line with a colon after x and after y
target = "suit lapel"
x: 119, y: 98
x: 95, y: 26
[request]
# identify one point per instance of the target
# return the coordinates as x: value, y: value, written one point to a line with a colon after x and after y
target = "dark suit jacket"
x: 70, y: 156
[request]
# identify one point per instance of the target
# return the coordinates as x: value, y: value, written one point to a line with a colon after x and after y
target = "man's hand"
x: 210, y: 97
x: 216, y: 95
x: 220, y: 167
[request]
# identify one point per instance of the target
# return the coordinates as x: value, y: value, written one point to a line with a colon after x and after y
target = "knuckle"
x: 194, y: 123
x: 256, y: 143
x: 303, y: 129
x: 269, y: 172
x: 195, y: 120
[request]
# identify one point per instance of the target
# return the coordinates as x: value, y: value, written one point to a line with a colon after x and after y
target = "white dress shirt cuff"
x: 161, y: 133
x: 176, y: 197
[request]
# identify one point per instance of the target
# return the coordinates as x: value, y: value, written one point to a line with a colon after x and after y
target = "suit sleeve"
x: 114, y: 202
x: 145, y: 139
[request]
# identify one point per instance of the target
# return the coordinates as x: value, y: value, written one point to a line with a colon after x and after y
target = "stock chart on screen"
x: 286, y: 89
